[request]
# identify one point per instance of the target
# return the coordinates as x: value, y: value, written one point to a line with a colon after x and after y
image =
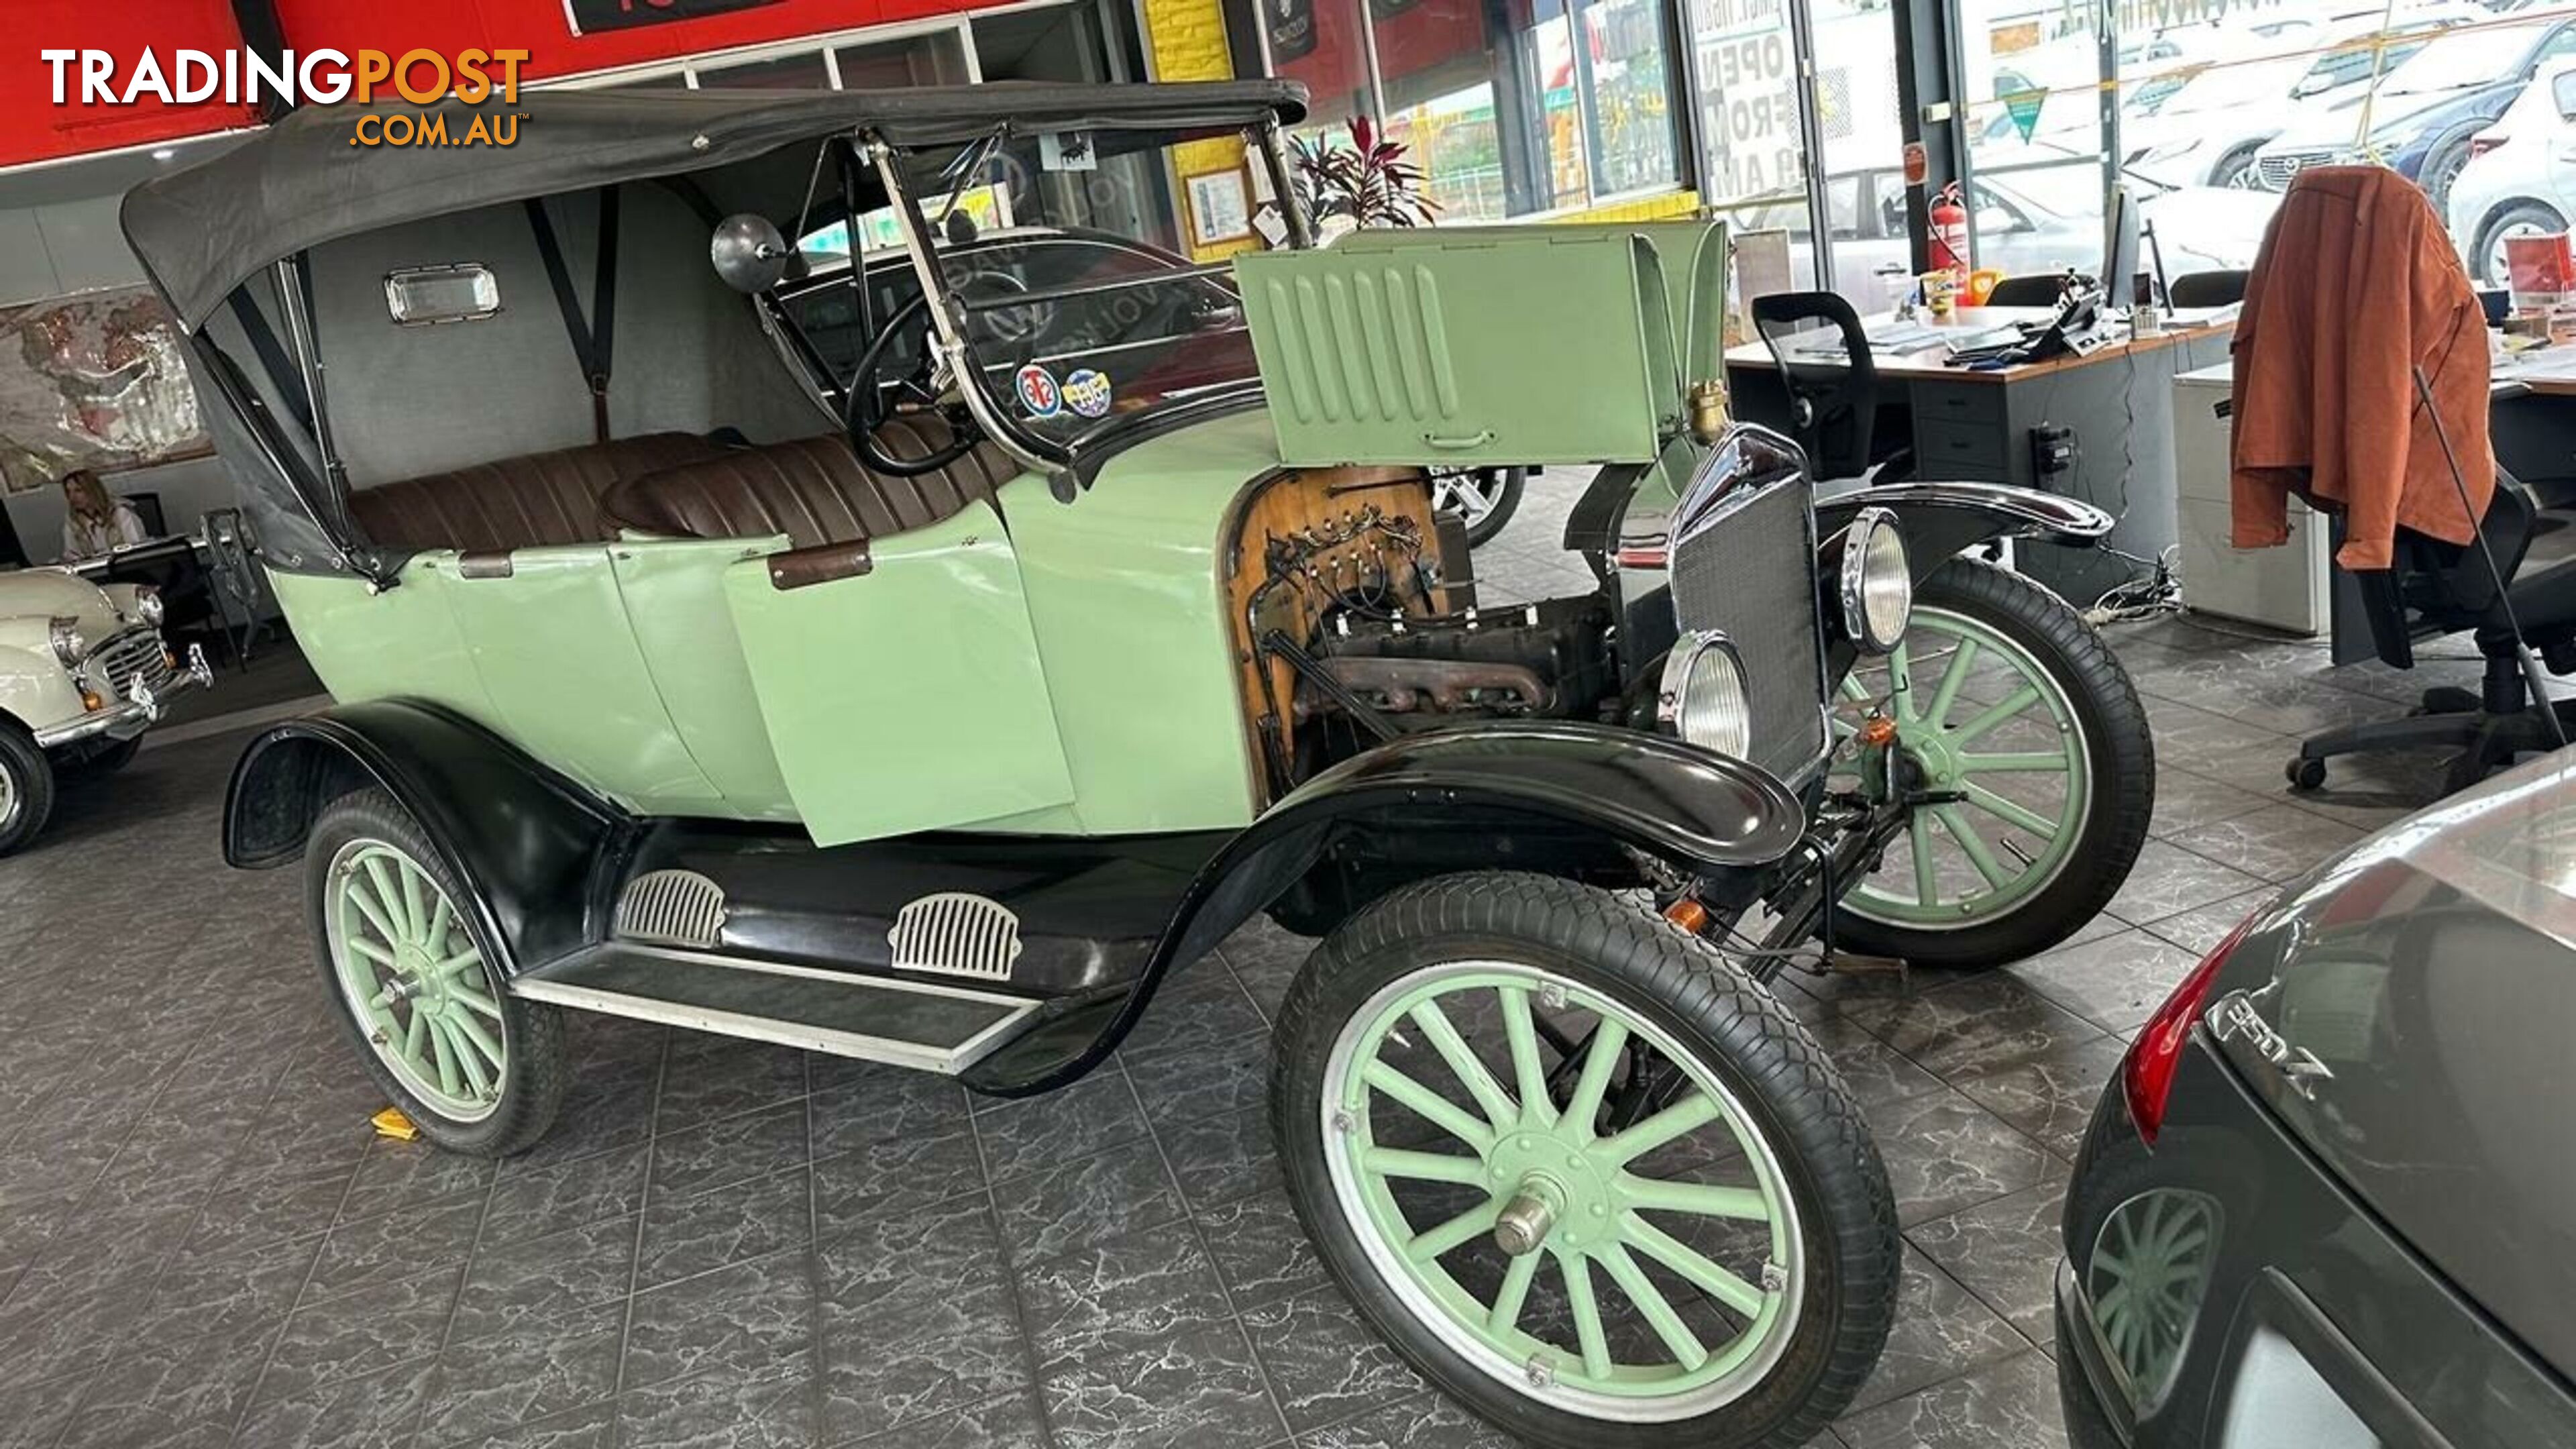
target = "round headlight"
x: 1877, y: 582
x: 65, y: 635
x: 1704, y: 699
x: 147, y: 605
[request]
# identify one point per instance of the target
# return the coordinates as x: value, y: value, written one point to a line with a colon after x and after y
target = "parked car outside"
x: 83, y: 673
x: 2327, y: 1200
x: 2521, y: 177
x: 2420, y: 118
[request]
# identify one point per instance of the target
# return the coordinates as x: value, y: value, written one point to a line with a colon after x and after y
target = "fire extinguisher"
x: 1950, y: 234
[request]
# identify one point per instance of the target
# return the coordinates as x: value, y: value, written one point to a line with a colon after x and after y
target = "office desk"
x: 1976, y: 426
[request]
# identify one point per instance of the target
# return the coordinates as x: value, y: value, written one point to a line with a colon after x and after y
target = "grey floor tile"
x: 397, y: 1175
x: 893, y: 1364
x: 2199, y: 931
x: 1218, y: 1159
x: 1200, y: 1391
x: 1038, y: 1134
x: 378, y: 1411
x: 897, y: 1175
x: 409, y: 1241
x: 686, y: 1236
x: 1324, y: 1365
x: 1941, y: 1331
x: 1124, y: 1295
x: 549, y: 1196
x: 1013, y: 1421
x: 1987, y: 1020
x: 2116, y: 983
x: 513, y: 1279
x: 2274, y: 843
x: 2048, y: 1098
x: 2010, y: 1405
x: 1260, y: 1248
x: 1205, y: 1006
x: 770, y: 1406
x: 1944, y: 1152
x: 2168, y: 878
x: 1429, y: 1421
x: 886, y: 1261
x: 2005, y: 1251
x: 708, y: 1078
x: 360, y: 1333
x: 719, y: 1154
x: 1081, y: 1204
x: 590, y: 1427
x: 34, y: 1415
x: 732, y: 1320
x: 535, y: 1369
x: 1207, y: 1081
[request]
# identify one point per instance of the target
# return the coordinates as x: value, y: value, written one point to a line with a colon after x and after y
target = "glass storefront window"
x: 1438, y: 60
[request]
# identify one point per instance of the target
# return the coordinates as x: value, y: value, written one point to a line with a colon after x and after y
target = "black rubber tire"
x: 1483, y: 530
x: 1737, y: 1030
x: 2535, y: 213
x: 31, y: 781
x: 2121, y: 750
x: 539, y: 1068
x: 2306, y: 774
x: 2235, y: 168
x: 2442, y: 167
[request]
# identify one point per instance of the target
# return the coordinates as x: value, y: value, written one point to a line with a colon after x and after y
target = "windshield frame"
x: 1076, y: 457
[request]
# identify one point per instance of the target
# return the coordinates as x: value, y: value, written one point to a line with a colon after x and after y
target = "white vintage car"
x: 83, y: 673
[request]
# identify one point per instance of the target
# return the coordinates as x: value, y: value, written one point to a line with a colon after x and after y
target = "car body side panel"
x: 910, y: 696
x: 400, y: 643
x: 35, y: 689
x: 674, y: 592
x: 559, y: 661
x: 1124, y: 587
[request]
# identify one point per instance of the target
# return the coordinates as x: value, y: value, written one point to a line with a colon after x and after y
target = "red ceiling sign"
x: 589, y: 17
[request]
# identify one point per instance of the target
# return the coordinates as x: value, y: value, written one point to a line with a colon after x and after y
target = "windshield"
x: 2476, y: 58
x: 1089, y: 307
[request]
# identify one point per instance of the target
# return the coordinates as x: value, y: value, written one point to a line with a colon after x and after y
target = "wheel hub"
x: 1529, y: 1217
x: 1551, y: 1188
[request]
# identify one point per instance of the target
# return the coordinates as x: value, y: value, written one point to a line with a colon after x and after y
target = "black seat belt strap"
x: 282, y: 375
x: 591, y: 338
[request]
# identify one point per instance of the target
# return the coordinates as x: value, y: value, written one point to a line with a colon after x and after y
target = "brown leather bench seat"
x: 539, y: 498
x: 814, y: 490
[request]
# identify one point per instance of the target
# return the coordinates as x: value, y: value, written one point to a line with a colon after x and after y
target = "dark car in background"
x: 2421, y: 116
x: 2330, y: 1200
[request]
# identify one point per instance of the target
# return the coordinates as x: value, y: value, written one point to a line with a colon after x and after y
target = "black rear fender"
x: 531, y: 847
x: 1553, y: 782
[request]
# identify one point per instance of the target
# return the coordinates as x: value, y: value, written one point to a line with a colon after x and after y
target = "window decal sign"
x: 1038, y: 392
x: 591, y: 16
x: 1087, y: 391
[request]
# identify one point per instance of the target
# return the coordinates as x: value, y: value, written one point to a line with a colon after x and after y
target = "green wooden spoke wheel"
x: 1558, y: 1192
x: 2025, y: 757
x: 415, y: 980
x: 1580, y: 1171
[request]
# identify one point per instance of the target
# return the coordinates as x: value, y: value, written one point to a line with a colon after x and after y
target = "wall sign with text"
x: 589, y: 17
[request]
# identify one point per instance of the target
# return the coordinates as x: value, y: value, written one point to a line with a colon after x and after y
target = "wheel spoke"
x: 470, y: 1030
x: 445, y: 1053
x: 2003, y: 709
x: 1506, y: 1313
x: 1854, y: 690
x: 1739, y: 1204
x: 356, y: 895
x: 1951, y: 679
x: 475, y: 1001
x: 1600, y: 1059
x: 388, y: 901
x: 1927, y: 879
x: 2011, y: 811
x: 1423, y: 1166
x: 1695, y: 1268
x: 1657, y: 1310
x: 415, y: 913
x: 456, y: 963
x: 1527, y: 1067
x: 366, y: 950
x: 1973, y: 845
x: 416, y: 1039
x: 1453, y: 1049
x: 2020, y: 762
x: 1900, y: 683
x: 441, y: 916
x: 1687, y: 1115
x: 1442, y: 1112
x: 468, y: 1061
x: 1427, y: 1246
x: 1587, y: 1313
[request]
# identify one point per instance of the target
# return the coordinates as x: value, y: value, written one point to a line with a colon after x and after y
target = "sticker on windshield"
x: 1087, y: 391
x: 1038, y: 392
x: 1067, y: 151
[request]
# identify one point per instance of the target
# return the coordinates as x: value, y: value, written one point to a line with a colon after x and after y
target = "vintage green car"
x: 923, y: 632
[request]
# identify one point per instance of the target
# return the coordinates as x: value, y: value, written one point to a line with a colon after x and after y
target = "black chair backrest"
x: 2435, y: 587
x: 2208, y: 289
x: 1833, y: 400
x: 147, y: 506
x: 2038, y: 289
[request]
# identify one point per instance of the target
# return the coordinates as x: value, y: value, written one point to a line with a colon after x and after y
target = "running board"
x: 932, y: 1028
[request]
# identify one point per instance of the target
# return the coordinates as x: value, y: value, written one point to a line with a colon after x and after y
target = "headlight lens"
x: 69, y: 646
x: 1877, y: 582
x: 147, y: 605
x: 1704, y: 699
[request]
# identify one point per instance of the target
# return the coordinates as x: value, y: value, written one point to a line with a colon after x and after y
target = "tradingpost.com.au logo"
x: 318, y: 77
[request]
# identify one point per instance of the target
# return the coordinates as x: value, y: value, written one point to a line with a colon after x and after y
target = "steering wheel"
x: 860, y: 413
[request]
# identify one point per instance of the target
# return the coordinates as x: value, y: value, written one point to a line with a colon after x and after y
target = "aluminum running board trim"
x: 943, y: 1029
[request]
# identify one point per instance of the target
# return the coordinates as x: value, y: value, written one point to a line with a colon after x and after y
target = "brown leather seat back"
x: 539, y: 498
x: 814, y: 490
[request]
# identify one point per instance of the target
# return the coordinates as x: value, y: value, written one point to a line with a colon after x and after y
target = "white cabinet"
x: 2282, y: 588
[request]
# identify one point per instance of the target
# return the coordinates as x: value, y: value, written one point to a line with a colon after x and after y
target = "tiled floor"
x: 202, y: 1244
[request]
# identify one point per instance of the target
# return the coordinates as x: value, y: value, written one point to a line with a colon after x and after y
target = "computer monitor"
x: 2120, y: 249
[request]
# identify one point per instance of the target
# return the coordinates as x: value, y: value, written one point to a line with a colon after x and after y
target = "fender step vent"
x: 671, y: 908
x: 956, y: 934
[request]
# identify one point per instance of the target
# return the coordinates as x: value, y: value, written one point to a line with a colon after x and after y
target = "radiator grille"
x: 958, y: 934
x: 2279, y: 168
x: 671, y: 908
x: 1749, y: 571
x: 131, y: 658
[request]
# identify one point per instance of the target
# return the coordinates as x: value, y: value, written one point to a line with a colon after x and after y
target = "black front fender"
x: 525, y: 842
x: 1941, y: 520
x: 1701, y: 812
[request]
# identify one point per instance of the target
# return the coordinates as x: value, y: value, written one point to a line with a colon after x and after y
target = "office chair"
x: 2207, y: 289
x: 1833, y: 401
x: 2442, y: 588
x: 147, y: 507
x: 2035, y: 289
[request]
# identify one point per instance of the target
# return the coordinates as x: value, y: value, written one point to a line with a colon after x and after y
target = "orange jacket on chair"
x: 2356, y: 286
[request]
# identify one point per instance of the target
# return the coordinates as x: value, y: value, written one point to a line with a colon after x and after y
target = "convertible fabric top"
x: 201, y: 232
